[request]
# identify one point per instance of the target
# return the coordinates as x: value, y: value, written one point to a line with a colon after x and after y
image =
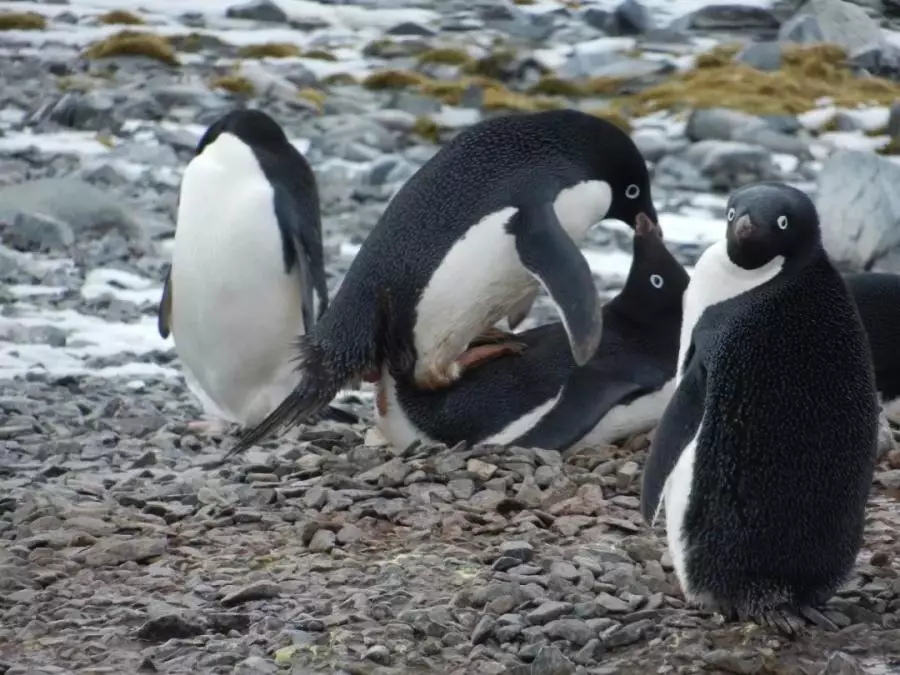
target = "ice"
x: 123, y: 285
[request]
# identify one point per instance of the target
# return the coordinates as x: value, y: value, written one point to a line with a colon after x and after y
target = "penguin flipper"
x: 676, y: 428
x: 302, y: 239
x: 164, y: 313
x: 586, y: 398
x: 549, y: 254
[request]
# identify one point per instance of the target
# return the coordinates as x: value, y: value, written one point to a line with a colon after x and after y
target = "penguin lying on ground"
x: 764, y: 456
x: 540, y: 398
x: 247, y: 260
x: 497, y: 213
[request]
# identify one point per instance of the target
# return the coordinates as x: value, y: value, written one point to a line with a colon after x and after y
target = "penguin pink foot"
x: 471, y: 358
x: 492, y: 336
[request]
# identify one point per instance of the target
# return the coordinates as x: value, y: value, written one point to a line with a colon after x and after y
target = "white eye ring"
x: 730, y: 215
x: 656, y: 281
x: 632, y: 191
x: 782, y: 222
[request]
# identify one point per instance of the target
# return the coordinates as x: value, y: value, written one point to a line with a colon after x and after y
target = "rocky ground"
x: 126, y: 549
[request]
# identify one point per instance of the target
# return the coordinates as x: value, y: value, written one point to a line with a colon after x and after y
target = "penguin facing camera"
x: 764, y: 456
x: 470, y: 239
x: 246, y: 269
x: 541, y: 398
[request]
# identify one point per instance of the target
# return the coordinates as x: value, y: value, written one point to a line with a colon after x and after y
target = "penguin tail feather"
x: 340, y: 415
x: 320, y: 383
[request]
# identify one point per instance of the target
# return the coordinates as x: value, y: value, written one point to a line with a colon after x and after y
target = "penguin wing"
x: 301, y: 230
x: 549, y: 254
x: 586, y: 398
x: 676, y: 428
x: 164, y: 313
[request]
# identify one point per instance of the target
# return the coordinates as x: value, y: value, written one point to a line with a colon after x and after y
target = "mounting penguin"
x: 246, y: 267
x: 765, y: 454
x: 541, y: 398
x: 471, y: 238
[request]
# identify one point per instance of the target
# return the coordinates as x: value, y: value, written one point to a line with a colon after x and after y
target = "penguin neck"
x: 228, y: 149
x: 716, y: 262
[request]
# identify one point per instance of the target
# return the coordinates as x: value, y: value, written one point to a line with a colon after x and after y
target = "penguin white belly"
x: 676, y: 497
x: 523, y: 424
x: 481, y: 279
x: 235, y: 312
x: 642, y: 414
x: 390, y: 418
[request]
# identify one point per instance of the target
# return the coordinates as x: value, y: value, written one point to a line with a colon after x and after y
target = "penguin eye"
x: 656, y: 281
x: 782, y: 222
x: 632, y: 191
x: 730, y: 215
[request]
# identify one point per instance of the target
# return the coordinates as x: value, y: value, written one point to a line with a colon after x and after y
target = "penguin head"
x: 252, y: 127
x: 619, y: 163
x: 656, y: 280
x: 767, y: 220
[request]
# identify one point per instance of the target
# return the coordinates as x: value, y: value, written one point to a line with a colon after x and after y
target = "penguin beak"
x: 744, y: 228
x: 645, y: 225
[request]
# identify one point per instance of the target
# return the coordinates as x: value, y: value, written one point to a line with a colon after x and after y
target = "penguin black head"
x: 656, y: 280
x: 767, y: 220
x: 252, y: 127
x: 617, y: 161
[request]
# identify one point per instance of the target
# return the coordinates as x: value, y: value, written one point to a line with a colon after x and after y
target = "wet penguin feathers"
x: 296, y: 198
x: 765, y: 453
x: 514, y: 192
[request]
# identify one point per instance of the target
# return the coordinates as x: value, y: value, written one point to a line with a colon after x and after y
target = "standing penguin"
x: 497, y: 213
x: 541, y: 397
x: 247, y: 261
x: 765, y: 454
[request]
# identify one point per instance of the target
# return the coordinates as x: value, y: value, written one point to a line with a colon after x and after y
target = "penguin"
x: 765, y: 454
x: 541, y: 398
x: 246, y: 269
x: 470, y: 239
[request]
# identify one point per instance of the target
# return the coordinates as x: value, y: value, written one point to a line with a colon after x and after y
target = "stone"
x: 257, y: 10
x: 517, y: 550
x: 36, y: 233
x: 548, y: 611
x: 168, y: 627
x: 117, y: 551
x: 738, y: 661
x: 764, y: 55
x: 728, y: 164
x: 575, y: 631
x: 720, y: 124
x: 859, y: 209
x: 833, y: 21
x: 730, y: 17
x: 263, y: 590
x: 841, y: 663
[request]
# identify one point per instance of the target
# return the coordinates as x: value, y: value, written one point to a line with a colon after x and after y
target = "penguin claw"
x: 815, y: 616
x: 476, y: 356
x: 491, y: 336
x: 785, y: 622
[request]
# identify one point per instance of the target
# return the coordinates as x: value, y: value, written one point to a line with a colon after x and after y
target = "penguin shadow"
x: 537, y: 396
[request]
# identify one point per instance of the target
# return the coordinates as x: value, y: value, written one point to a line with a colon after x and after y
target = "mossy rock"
x: 503, y: 99
x: 274, y: 50
x: 892, y: 148
x: 120, y: 16
x: 808, y: 74
x: 718, y: 56
x: 428, y: 129
x: 339, y: 79
x: 314, y: 96
x: 451, y: 91
x: 319, y: 55
x: 449, y: 56
x: 555, y: 86
x: 495, y: 65
x: 22, y: 21
x: 131, y: 43
x: 523, y: 2
x: 392, y: 79
x: 235, y: 84
x: 615, y: 117
x: 196, y: 42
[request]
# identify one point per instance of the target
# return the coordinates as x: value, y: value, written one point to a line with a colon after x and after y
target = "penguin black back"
x: 877, y: 296
x: 636, y: 356
x: 296, y: 194
x: 769, y: 440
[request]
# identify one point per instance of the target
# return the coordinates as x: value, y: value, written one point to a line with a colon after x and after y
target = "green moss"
x: 392, y: 79
x: 22, y: 21
x: 131, y: 43
x: 494, y: 65
x: 236, y: 84
x: 381, y: 49
x: 451, y: 91
x: 555, y: 86
x: 523, y: 2
x: 195, y: 42
x: 503, y: 99
x: 339, y: 79
x: 808, y: 74
x: 120, y: 16
x: 427, y: 128
x: 445, y: 55
x: 319, y: 54
x: 274, y: 50
x: 314, y: 96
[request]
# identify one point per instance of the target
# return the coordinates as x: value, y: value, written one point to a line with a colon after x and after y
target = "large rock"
x: 859, y: 208
x: 258, y: 10
x: 833, y: 21
x: 50, y: 214
x: 729, y: 164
